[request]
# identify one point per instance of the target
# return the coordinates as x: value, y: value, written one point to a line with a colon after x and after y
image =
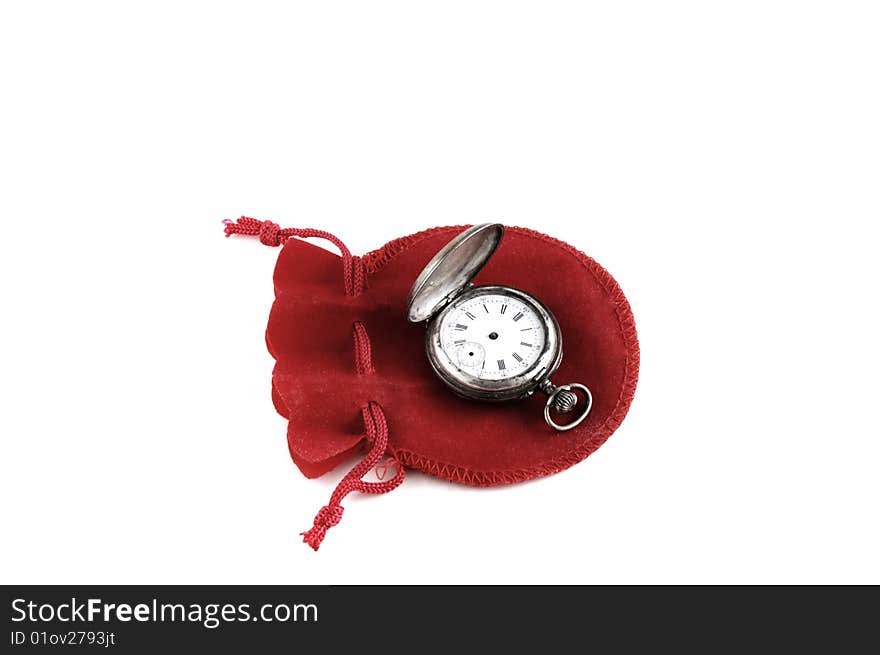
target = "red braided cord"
x: 270, y: 234
x: 363, y: 356
x: 377, y: 435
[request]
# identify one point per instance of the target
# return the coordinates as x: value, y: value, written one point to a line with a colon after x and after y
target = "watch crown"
x: 565, y: 401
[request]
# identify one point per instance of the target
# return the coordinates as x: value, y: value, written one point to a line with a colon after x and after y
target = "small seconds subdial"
x: 493, y: 336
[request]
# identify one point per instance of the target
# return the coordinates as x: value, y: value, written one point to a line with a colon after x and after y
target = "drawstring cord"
x: 270, y: 234
x: 377, y: 437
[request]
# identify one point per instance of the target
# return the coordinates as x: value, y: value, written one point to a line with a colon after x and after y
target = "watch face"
x: 494, y: 343
x: 493, y: 335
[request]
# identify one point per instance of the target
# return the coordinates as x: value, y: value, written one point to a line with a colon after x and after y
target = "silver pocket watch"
x: 494, y: 342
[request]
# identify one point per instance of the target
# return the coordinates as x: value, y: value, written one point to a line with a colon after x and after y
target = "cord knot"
x: 270, y: 234
x: 327, y: 517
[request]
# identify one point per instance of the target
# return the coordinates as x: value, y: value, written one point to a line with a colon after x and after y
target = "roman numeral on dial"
x: 517, y: 357
x: 460, y: 327
x: 501, y: 365
x: 469, y: 315
x: 458, y: 342
x: 517, y: 316
x: 523, y: 343
x: 503, y: 308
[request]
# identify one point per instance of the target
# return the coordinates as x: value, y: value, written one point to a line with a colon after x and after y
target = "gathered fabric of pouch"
x: 351, y: 376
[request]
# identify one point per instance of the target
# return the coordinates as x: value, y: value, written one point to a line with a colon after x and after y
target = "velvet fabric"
x: 339, y: 345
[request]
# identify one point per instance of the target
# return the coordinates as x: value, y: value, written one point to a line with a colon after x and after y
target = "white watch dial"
x: 493, y: 336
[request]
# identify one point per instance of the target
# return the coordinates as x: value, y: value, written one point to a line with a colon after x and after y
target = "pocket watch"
x: 492, y: 343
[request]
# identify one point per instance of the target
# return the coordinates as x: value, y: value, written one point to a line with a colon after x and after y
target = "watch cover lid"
x: 451, y: 269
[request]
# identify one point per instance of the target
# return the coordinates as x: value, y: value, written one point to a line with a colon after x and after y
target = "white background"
x: 720, y: 159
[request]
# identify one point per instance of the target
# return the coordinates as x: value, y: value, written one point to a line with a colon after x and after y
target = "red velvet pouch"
x: 351, y: 372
